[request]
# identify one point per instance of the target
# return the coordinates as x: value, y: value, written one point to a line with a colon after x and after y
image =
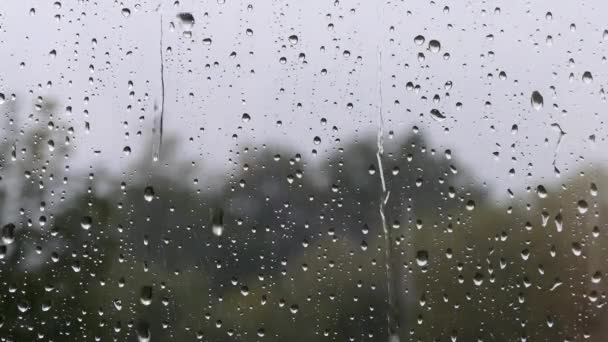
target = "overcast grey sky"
x: 206, y: 88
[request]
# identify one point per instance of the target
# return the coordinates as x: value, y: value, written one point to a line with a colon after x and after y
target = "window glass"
x: 238, y: 170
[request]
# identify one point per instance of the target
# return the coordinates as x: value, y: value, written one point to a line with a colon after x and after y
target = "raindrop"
x: 145, y: 296
x: 23, y: 306
x: 8, y: 234
x: 576, y: 249
x: 143, y: 332
x: 582, y: 206
x: 537, y: 100
x: 149, y: 193
x: 541, y: 191
x: 437, y: 115
x: 597, y: 277
x: 293, y: 39
x: 593, y: 189
x: 186, y: 20
x: 545, y: 218
x: 46, y: 306
x: 422, y: 258
x: 559, y: 222
x: 587, y: 77
x: 419, y: 40
x: 372, y: 169
x: 478, y: 279
x: 86, y: 222
x: 470, y: 205
x: 434, y: 46
x: 217, y: 221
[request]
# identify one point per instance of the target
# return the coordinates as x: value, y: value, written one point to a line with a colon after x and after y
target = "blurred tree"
x: 298, y: 254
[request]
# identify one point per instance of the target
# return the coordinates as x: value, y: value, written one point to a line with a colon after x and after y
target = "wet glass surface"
x: 303, y: 171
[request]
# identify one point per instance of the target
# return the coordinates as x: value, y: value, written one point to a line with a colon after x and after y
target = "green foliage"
x: 300, y: 257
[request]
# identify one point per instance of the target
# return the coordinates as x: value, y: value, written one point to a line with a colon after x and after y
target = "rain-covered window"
x: 320, y: 170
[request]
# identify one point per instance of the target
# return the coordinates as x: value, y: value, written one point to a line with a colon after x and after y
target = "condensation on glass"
x: 303, y: 170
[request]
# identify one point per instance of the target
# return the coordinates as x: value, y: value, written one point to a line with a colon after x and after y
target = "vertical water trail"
x: 157, y: 145
x: 561, y: 136
x: 392, y: 315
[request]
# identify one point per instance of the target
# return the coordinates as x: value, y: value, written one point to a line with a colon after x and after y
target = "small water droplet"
x: 186, y: 21
x: 437, y: 115
x: 372, y: 169
x: 582, y: 206
x: 587, y: 77
x: 536, y: 100
x: 541, y: 191
x: 577, y: 249
x: 559, y: 225
x: 478, y: 279
x: 422, y: 258
x: 470, y: 205
x: 434, y: 46
x: 145, y: 296
x: 597, y: 277
x: 8, y: 234
x: 217, y: 221
x: 143, y: 332
x: 86, y: 222
x: 149, y: 193
x: 593, y: 189
x: 23, y: 306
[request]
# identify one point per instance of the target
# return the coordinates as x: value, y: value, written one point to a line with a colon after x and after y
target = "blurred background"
x: 303, y: 171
